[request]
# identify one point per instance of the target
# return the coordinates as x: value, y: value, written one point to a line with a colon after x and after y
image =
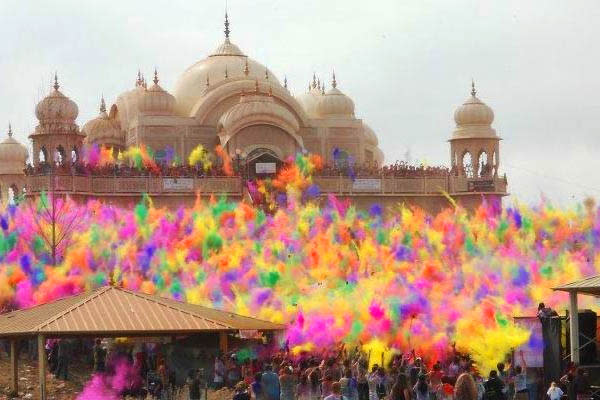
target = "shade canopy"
x: 112, y: 311
x: 589, y: 285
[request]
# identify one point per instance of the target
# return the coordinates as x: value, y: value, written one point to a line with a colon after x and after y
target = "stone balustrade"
x: 103, y: 185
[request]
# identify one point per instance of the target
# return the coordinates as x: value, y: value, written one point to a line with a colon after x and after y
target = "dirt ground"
x: 28, y: 381
x: 58, y: 389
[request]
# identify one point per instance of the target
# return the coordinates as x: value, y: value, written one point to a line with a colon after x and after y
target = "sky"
x: 407, y: 64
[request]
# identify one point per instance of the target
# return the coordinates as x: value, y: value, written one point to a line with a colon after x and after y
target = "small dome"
x: 369, y: 135
x: 474, y: 119
x: 56, y: 107
x: 103, y: 130
x: 13, y: 156
x: 473, y: 112
x: 156, y: 100
x: 335, y: 104
x: 310, y: 100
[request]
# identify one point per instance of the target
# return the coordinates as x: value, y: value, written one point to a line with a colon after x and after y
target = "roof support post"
x: 574, y: 327
x: 223, y: 342
x: 14, y: 367
x: 41, y: 345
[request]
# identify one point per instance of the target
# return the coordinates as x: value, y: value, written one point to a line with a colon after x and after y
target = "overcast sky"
x: 406, y: 64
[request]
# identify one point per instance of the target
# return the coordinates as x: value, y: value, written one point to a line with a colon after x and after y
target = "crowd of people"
x: 399, y: 169
x: 125, y: 170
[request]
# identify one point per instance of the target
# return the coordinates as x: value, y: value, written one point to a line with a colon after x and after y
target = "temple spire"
x: 56, y: 85
x: 155, y: 76
x: 246, y: 69
x: 227, y: 31
x: 333, y: 81
x: 9, y: 130
x: 473, y: 91
x: 102, y: 105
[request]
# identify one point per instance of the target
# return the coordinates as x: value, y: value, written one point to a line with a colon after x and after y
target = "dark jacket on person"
x: 493, y: 389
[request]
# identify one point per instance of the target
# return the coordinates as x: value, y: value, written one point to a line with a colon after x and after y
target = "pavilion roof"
x: 114, y: 311
x: 589, y: 285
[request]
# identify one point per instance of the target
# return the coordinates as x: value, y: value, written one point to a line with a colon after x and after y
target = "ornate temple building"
x: 231, y: 100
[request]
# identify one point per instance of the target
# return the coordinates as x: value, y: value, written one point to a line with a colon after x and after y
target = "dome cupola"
x: 57, y: 110
x: 13, y: 155
x: 335, y: 104
x: 156, y: 100
x: 474, y: 118
x: 104, y: 130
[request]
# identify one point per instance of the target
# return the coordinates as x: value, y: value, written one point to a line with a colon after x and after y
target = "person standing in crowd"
x: 288, y: 384
x: 349, y: 386
x: 193, y: 382
x: 581, y: 384
x: 335, y: 392
x: 494, y: 387
x: 327, y: 384
x: 554, y: 392
x: 270, y: 383
x: 504, y: 377
x: 421, y: 389
x: 219, y: 379
x: 382, y: 385
x: 303, y: 387
x: 256, y: 389
x: 64, y: 355
x: 465, y: 387
x: 314, y: 380
x: 400, y: 389
x: 520, y: 380
x: 373, y: 380
x: 99, y: 356
x: 361, y: 371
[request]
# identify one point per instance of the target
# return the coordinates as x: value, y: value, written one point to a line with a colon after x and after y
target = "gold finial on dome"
x: 102, y: 105
x: 333, y: 81
x: 9, y: 130
x: 473, y: 91
x: 56, y: 85
x: 155, y: 76
x: 246, y: 69
x: 227, y: 31
x: 256, y: 85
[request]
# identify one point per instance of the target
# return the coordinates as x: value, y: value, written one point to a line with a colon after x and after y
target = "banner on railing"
x: 367, y: 185
x: 266, y: 168
x: 178, y: 184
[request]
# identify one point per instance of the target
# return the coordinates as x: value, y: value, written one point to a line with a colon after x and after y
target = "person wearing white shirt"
x: 555, y: 393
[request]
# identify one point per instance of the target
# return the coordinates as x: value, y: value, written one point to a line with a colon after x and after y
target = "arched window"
x: 59, y: 155
x: 455, y: 159
x: 13, y: 192
x: 43, y: 155
x: 468, y: 164
x: 74, y: 154
x: 485, y: 168
x: 494, y: 164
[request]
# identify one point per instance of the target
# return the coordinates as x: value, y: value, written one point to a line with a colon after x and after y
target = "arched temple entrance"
x: 263, y: 163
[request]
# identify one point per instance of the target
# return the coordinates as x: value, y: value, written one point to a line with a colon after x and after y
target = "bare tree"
x: 55, y: 217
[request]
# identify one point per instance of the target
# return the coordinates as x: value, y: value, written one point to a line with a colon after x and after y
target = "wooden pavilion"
x: 115, y: 312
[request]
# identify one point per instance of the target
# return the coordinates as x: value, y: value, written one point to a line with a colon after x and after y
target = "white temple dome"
x: 56, y: 107
x: 473, y: 112
x: 335, y: 104
x: 103, y: 130
x: 156, y: 100
x: 226, y: 62
x: 474, y: 118
x: 13, y: 156
x: 310, y: 100
x: 370, y: 136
